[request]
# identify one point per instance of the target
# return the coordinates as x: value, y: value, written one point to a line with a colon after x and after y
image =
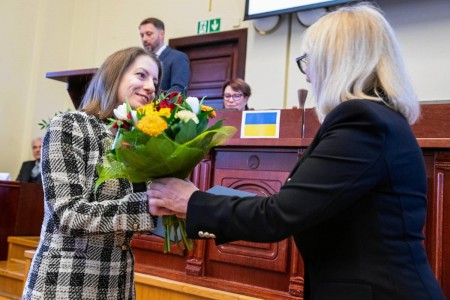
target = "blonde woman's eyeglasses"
x: 302, y: 61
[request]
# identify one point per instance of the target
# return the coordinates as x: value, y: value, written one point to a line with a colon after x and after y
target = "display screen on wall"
x: 264, y: 8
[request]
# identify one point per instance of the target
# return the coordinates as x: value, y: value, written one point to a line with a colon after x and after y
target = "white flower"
x: 121, y: 113
x: 186, y: 115
x: 194, y: 103
x: 134, y: 116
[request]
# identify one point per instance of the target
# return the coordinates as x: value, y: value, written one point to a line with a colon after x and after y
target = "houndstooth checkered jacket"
x: 84, y: 250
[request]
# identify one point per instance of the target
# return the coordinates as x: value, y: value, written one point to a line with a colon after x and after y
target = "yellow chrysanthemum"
x: 165, y: 112
x: 147, y: 109
x: 152, y: 125
x: 209, y: 108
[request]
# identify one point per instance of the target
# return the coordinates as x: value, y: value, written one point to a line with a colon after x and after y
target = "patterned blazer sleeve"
x: 74, y: 144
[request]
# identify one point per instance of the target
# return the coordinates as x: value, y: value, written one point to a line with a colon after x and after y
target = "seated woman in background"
x: 235, y: 94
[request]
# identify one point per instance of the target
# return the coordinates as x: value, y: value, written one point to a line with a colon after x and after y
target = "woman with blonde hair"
x: 356, y: 56
x: 356, y: 201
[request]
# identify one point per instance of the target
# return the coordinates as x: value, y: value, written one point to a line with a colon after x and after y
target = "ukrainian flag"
x: 260, y: 124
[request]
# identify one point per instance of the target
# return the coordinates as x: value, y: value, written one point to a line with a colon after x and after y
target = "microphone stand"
x: 302, y: 93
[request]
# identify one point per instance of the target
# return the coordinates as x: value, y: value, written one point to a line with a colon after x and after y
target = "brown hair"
x: 238, y: 85
x: 156, y: 22
x: 101, y: 96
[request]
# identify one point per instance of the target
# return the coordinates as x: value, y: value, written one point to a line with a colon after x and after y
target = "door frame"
x: 238, y: 36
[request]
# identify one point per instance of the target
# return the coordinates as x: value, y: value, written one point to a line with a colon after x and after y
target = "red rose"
x: 165, y: 104
x: 175, y: 97
x: 126, y: 126
x: 173, y: 94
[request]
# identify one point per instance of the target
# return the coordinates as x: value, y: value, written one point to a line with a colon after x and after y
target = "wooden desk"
x: 21, y: 211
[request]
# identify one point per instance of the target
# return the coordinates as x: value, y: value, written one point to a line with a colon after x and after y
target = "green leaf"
x: 202, y: 125
x: 45, y: 123
x: 215, y: 126
x: 187, y: 132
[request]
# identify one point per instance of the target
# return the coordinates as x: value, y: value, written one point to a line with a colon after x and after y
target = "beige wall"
x: 40, y: 36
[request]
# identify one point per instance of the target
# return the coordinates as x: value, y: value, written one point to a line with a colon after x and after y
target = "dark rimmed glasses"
x: 236, y: 97
x: 302, y: 61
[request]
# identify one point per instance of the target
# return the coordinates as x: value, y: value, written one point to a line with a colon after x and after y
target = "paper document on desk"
x: 225, y: 191
x: 5, y: 176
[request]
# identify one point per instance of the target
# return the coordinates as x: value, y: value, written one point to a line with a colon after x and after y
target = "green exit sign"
x: 208, y: 26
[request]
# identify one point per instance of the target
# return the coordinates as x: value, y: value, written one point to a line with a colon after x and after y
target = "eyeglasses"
x: 302, y: 61
x: 236, y: 97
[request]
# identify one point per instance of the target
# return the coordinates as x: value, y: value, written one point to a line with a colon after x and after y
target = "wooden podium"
x: 21, y: 211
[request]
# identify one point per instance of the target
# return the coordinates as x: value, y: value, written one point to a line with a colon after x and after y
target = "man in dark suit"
x: 31, y: 170
x: 176, y: 70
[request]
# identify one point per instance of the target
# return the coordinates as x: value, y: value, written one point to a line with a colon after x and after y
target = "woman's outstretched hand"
x: 169, y: 196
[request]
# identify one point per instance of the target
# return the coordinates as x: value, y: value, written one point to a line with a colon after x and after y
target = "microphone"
x: 302, y: 93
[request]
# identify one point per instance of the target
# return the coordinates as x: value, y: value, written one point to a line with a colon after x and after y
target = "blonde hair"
x: 101, y: 96
x: 353, y: 54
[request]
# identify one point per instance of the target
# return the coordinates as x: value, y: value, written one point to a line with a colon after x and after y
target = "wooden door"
x: 214, y: 59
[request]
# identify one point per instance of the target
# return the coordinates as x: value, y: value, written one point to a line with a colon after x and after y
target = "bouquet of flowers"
x: 166, y: 138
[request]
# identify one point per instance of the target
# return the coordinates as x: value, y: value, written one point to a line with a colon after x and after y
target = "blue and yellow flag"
x: 260, y: 124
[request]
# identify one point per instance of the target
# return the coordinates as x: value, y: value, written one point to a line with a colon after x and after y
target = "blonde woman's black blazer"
x: 355, y: 204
